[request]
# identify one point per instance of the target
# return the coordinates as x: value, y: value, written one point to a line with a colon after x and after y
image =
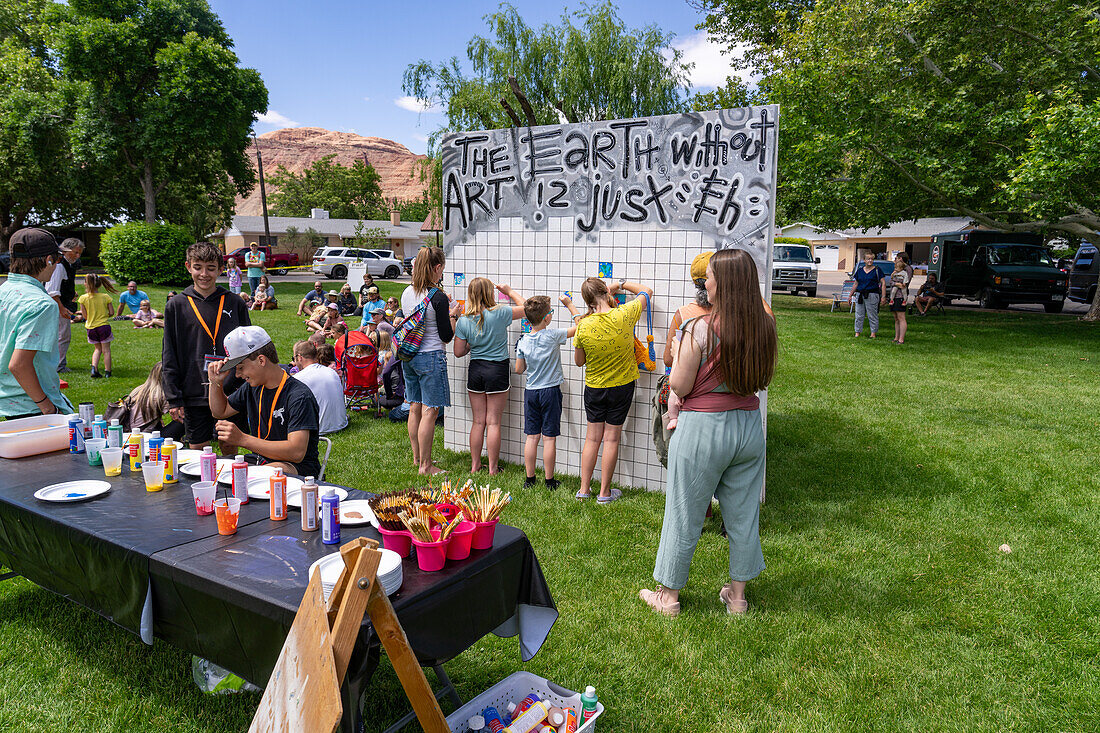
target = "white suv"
x: 332, y: 262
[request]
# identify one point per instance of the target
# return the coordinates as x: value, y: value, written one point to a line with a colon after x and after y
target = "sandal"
x: 582, y: 495
x: 616, y: 494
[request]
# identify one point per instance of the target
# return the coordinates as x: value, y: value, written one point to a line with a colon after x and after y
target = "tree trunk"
x: 150, y: 192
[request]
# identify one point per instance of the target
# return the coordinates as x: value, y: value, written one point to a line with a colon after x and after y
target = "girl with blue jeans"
x: 724, y: 359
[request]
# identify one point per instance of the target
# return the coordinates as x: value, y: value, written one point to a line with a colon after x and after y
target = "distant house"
x: 401, y: 237
x: 840, y: 249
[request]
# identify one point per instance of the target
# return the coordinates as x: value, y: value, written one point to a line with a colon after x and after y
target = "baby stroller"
x: 358, y: 361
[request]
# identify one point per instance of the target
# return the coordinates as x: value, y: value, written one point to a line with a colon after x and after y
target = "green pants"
x: 713, y: 454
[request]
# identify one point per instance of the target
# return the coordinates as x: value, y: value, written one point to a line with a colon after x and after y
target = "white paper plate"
x: 389, y: 571
x: 187, y: 455
x: 72, y: 491
x: 360, y: 507
x: 148, y: 436
x: 264, y: 472
x: 294, y: 497
x: 260, y: 487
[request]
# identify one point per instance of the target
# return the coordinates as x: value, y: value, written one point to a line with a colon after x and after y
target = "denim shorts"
x: 426, y: 379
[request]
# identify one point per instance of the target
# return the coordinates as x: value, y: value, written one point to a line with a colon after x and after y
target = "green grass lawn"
x: 894, y: 475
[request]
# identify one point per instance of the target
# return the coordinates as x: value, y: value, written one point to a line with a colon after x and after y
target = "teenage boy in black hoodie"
x: 195, y: 323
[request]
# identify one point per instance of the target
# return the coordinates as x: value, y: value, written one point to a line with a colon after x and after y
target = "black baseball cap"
x: 32, y: 242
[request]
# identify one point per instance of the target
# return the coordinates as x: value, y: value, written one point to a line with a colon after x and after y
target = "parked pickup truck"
x: 997, y: 268
x: 794, y: 268
x: 276, y: 262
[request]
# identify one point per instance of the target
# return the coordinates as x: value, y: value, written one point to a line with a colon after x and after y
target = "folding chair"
x: 324, y: 461
x: 843, y: 295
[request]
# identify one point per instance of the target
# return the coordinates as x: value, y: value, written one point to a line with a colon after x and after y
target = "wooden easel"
x: 303, y: 693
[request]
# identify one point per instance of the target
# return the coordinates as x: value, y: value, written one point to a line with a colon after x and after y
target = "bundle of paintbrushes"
x: 449, y: 527
x: 445, y: 494
x: 484, y: 504
x: 418, y: 520
x: 388, y: 507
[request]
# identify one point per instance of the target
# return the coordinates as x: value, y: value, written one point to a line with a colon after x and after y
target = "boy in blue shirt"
x: 539, y: 355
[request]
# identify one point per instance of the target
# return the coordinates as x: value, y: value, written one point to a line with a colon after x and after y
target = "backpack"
x: 410, y: 334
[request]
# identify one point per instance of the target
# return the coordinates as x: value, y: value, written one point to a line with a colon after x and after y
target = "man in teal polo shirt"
x: 28, y: 330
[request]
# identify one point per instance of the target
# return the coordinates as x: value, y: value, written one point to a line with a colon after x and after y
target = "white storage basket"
x: 514, y: 688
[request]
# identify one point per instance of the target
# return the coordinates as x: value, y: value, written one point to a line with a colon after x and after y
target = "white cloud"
x: 711, y: 65
x: 412, y: 104
x: 276, y: 119
x: 366, y: 99
x: 421, y: 138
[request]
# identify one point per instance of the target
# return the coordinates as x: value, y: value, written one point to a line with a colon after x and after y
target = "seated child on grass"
x: 146, y: 317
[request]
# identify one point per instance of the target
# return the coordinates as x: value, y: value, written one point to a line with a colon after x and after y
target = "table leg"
x: 448, y: 690
x: 354, y: 684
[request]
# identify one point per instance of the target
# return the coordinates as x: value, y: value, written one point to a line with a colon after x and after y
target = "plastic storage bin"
x: 514, y: 688
x: 30, y: 436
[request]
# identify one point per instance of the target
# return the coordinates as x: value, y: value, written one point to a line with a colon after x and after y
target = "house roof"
x: 919, y: 229
x: 344, y: 228
x: 432, y: 223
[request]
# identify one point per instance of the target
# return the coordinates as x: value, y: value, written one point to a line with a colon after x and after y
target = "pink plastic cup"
x: 483, y: 535
x: 399, y: 541
x: 447, y: 510
x: 430, y: 556
x: 459, y: 543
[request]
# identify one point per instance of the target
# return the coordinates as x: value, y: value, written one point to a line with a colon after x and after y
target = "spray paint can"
x: 330, y: 516
x: 99, y: 428
x: 76, y: 434
x: 309, y: 498
x: 588, y: 704
x: 277, y: 497
x: 135, y: 449
x: 169, y: 453
x: 208, y: 465
x: 114, y: 434
x: 240, y: 480
x: 155, y: 443
x: 87, y: 414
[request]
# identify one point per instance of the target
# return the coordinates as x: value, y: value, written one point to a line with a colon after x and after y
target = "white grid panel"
x: 550, y: 262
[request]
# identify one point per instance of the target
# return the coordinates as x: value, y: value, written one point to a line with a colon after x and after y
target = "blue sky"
x: 338, y: 64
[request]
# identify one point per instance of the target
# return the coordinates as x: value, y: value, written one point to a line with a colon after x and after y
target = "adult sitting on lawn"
x: 130, y: 299
x: 325, y: 385
x: 373, y: 302
x: 929, y: 294
x: 379, y: 321
x: 264, y: 297
x: 718, y: 447
x: 313, y: 298
x: 282, y: 413
x: 345, y: 301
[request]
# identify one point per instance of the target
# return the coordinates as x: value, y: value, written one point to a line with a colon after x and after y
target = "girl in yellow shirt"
x: 98, y: 308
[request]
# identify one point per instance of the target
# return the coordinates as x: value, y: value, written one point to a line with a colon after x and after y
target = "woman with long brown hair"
x: 426, y: 386
x: 724, y: 359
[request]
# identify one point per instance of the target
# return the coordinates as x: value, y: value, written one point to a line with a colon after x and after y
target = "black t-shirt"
x: 296, y: 410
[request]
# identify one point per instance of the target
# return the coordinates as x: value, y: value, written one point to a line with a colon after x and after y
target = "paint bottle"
x: 309, y: 498
x: 86, y: 410
x: 330, y: 516
x: 99, y: 427
x: 240, y: 479
x: 530, y: 720
x: 76, y: 434
x: 169, y: 453
x: 548, y: 729
x: 155, y: 443
x: 492, y: 719
x: 135, y: 449
x: 114, y: 434
x: 475, y: 724
x: 588, y: 704
x: 570, y: 721
x: 208, y: 465
x: 555, y: 717
x: 277, y: 497
x: 515, y: 711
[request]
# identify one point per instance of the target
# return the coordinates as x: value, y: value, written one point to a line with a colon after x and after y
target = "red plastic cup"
x: 483, y: 534
x: 430, y: 556
x: 459, y: 542
x: 399, y: 541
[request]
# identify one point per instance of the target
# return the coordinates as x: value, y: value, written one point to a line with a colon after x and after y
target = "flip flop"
x: 616, y: 494
x: 582, y: 495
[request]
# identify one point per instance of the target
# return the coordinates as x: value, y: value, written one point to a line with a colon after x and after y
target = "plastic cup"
x: 447, y: 510
x: 153, y: 471
x: 483, y: 535
x: 460, y: 541
x: 92, y: 447
x: 226, y: 512
x: 204, y: 492
x: 430, y: 556
x: 397, y: 541
x: 112, y: 461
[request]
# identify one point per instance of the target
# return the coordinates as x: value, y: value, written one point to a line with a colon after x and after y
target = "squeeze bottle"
x: 330, y: 516
x: 208, y: 465
x: 169, y: 453
x: 309, y: 498
x: 114, y: 434
x: 277, y: 496
x: 240, y: 480
x: 588, y: 704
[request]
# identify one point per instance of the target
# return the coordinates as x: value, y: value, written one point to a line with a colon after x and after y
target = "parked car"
x: 1083, y: 273
x: 409, y: 264
x: 794, y: 268
x: 276, y: 262
x: 997, y: 268
x: 332, y: 262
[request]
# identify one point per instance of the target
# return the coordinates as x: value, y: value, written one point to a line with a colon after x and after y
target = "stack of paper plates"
x: 389, y: 571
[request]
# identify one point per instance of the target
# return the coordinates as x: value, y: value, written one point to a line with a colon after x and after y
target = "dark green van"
x: 997, y: 268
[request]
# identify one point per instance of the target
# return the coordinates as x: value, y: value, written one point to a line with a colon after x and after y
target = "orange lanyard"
x: 271, y: 412
x: 217, y: 323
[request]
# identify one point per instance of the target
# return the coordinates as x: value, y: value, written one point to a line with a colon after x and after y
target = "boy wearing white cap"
x: 282, y: 413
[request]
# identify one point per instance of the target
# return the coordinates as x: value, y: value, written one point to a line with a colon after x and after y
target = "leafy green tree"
x: 346, y: 192
x: 167, y: 101
x: 589, y: 66
x: 414, y: 210
x: 898, y: 109
x: 304, y: 243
